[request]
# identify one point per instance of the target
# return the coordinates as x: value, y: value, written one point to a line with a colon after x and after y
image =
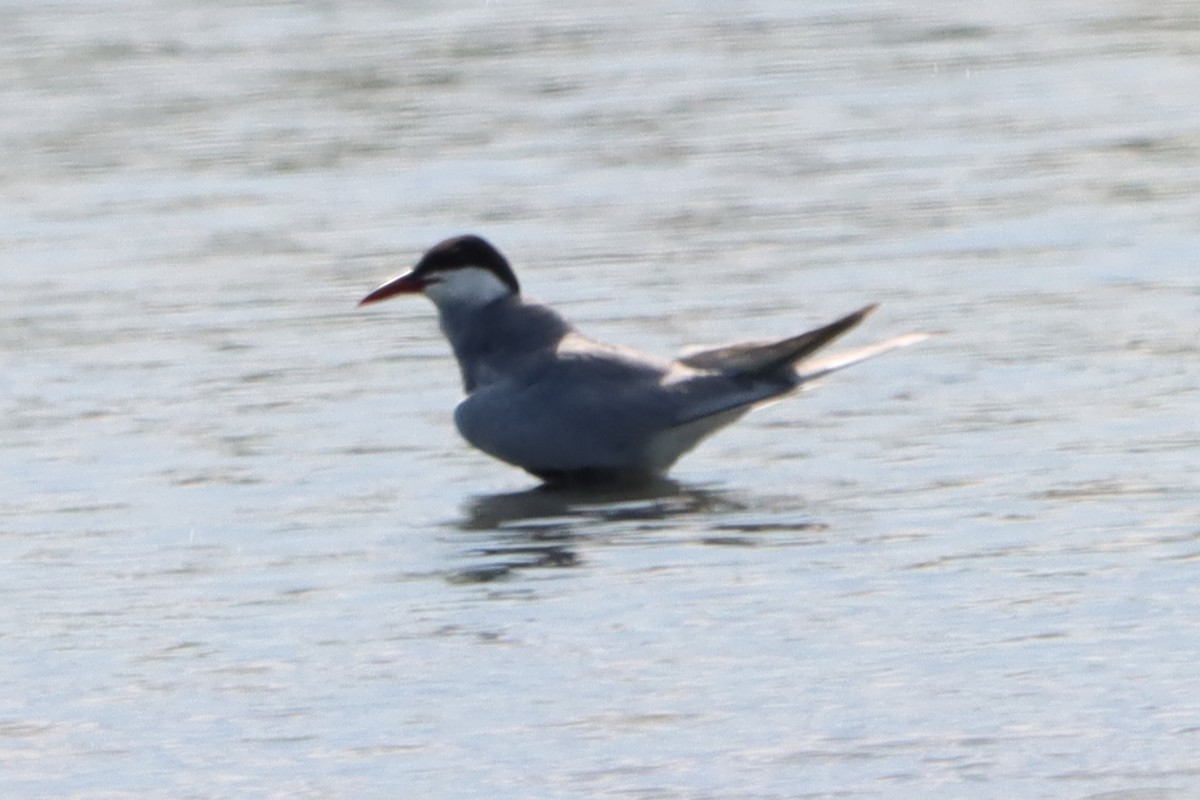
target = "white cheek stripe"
x: 466, y: 286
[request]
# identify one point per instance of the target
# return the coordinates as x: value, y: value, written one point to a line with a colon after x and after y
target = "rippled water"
x: 245, y: 554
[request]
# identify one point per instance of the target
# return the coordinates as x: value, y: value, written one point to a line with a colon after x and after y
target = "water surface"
x: 245, y: 553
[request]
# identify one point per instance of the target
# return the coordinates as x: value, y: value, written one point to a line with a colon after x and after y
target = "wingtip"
x: 865, y: 311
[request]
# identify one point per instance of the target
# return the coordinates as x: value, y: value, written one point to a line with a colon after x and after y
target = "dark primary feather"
x: 762, y: 359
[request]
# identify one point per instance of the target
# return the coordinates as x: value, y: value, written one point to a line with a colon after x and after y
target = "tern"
x: 571, y: 410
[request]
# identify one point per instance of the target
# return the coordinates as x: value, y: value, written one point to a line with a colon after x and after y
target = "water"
x: 245, y: 554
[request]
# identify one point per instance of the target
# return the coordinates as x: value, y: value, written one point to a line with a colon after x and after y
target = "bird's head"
x: 465, y: 270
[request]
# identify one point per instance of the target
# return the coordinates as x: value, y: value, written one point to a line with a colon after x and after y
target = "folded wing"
x: 724, y: 379
x: 766, y: 358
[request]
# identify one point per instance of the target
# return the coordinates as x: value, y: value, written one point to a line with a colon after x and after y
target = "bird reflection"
x: 540, y: 527
x: 654, y: 501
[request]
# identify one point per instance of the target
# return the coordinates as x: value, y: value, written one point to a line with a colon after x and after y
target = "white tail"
x: 821, y: 367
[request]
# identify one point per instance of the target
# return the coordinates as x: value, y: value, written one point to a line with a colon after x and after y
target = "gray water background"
x: 245, y: 554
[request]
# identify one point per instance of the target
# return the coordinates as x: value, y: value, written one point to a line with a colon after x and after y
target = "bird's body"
x: 543, y: 397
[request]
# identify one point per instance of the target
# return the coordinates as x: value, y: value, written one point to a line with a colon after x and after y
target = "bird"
x: 570, y: 410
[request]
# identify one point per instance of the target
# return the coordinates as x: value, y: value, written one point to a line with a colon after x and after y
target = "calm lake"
x: 244, y: 553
